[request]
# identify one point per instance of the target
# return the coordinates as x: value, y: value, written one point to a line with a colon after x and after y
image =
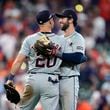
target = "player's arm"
x: 24, y: 51
x: 76, y: 58
x: 9, y: 85
x: 15, y: 67
x: 77, y: 55
x: 17, y: 63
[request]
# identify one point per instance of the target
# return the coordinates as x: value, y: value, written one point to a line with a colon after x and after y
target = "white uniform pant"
x: 69, y: 88
x: 40, y: 87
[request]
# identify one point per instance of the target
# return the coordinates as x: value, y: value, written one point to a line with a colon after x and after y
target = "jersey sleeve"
x: 25, y: 48
x: 78, y: 44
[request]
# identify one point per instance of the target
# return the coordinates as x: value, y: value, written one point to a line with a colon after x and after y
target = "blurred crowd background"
x: 18, y: 19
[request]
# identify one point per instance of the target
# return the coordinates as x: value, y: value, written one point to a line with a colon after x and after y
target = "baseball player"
x: 42, y: 82
x: 69, y: 82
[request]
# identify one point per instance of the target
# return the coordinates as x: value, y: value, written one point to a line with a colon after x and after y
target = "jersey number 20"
x: 42, y: 62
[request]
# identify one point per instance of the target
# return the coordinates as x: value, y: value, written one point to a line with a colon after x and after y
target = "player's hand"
x: 10, y: 83
x: 9, y: 80
x: 53, y: 52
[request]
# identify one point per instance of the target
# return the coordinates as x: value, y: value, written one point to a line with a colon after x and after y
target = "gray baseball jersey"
x: 36, y: 62
x: 76, y: 44
x: 41, y: 85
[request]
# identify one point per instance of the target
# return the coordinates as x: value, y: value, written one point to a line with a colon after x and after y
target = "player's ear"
x: 70, y: 20
x: 51, y: 22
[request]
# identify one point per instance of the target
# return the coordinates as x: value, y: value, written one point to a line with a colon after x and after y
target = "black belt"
x: 64, y: 77
x: 60, y: 77
x: 49, y: 78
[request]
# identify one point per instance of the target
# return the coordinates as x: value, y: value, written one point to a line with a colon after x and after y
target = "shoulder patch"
x: 79, y: 48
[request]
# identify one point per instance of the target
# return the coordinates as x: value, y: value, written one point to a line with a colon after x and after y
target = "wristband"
x: 11, y: 77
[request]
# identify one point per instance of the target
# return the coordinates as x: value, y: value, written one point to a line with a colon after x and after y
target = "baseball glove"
x: 45, y: 47
x: 12, y: 94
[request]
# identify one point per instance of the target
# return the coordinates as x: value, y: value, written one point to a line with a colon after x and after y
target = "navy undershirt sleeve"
x: 75, y: 58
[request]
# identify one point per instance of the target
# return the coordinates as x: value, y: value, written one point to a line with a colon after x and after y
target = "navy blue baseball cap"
x: 68, y: 13
x: 44, y: 16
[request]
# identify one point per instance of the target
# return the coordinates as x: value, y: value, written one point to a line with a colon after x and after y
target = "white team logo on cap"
x: 50, y: 16
x: 41, y: 21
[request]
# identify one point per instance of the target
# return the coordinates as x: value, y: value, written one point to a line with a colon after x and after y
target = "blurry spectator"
x: 95, y: 2
x: 40, y: 5
x: 104, y: 6
x: 82, y: 18
x: 106, y: 88
x: 101, y: 100
x: 88, y: 35
x: 30, y: 25
x: 98, y: 23
x: 8, y: 44
x: 34, y: 6
x: 86, y: 4
x: 89, y: 74
x: 68, y: 3
x: 95, y: 99
x: 104, y: 70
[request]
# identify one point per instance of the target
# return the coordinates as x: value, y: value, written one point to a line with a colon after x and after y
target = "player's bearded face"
x: 64, y: 23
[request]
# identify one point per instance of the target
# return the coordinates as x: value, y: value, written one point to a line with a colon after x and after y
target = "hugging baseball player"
x: 42, y: 82
x: 69, y: 82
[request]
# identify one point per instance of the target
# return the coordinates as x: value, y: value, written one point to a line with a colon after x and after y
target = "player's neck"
x: 45, y: 29
x: 69, y: 31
